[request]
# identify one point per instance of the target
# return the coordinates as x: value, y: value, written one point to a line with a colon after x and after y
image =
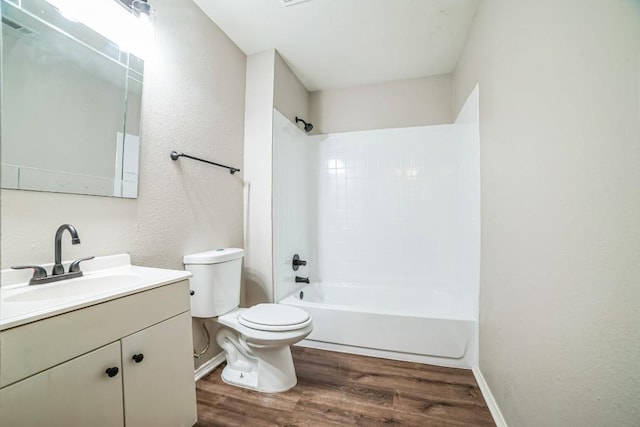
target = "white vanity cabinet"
x: 53, y: 372
x: 75, y: 393
x: 159, y: 387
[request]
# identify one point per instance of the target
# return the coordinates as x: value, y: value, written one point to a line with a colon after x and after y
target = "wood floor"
x: 336, y: 389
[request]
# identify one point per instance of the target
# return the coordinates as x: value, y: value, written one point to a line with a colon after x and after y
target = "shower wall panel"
x: 391, y: 207
x: 395, y: 207
x: 294, y: 204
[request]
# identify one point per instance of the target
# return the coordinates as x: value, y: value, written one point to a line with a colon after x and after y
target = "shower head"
x: 308, y: 127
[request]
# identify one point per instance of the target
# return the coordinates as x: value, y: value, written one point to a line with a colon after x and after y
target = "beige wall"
x: 560, y: 156
x: 401, y: 103
x: 193, y: 102
x: 291, y: 98
x: 258, y: 270
x: 270, y: 83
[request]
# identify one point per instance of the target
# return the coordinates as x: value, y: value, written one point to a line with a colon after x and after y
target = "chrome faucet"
x: 57, y: 272
x: 58, y: 268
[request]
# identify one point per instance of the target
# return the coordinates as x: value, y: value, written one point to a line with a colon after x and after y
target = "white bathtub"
x: 405, y: 323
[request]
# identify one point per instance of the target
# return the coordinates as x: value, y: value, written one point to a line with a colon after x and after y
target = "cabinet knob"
x: 192, y: 292
x: 112, y: 372
x: 138, y: 357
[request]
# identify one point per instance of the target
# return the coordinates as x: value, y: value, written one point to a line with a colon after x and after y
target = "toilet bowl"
x: 256, y: 340
x: 260, y: 359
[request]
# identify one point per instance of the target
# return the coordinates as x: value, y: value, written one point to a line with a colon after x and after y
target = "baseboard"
x: 488, y: 398
x: 209, y: 365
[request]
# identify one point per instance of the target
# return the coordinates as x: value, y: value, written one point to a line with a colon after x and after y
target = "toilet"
x: 256, y: 340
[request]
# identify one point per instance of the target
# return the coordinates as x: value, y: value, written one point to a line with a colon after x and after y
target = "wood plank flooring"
x: 337, y: 389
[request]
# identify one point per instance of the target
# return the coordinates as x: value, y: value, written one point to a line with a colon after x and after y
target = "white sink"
x: 74, y: 288
x: 105, y: 278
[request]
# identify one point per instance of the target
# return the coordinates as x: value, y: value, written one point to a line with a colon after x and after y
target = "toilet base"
x: 267, y: 369
x: 240, y: 379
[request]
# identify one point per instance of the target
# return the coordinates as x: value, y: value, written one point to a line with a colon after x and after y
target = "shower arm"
x: 308, y: 127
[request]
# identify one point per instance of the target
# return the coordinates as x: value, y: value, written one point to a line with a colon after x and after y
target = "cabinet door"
x: 76, y: 393
x: 159, y: 388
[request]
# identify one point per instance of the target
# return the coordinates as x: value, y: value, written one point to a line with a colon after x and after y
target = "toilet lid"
x: 274, y: 317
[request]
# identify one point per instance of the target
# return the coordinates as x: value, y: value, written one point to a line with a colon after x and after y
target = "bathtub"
x: 404, y: 323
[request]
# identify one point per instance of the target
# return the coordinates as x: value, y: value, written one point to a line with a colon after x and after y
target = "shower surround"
x: 389, y: 223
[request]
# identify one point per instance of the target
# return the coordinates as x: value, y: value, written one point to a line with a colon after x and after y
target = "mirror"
x: 71, y: 105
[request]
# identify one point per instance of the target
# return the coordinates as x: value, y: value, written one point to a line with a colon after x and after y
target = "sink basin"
x: 106, y: 278
x: 82, y: 286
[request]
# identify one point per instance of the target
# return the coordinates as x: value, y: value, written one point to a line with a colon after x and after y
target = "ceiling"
x: 343, y: 43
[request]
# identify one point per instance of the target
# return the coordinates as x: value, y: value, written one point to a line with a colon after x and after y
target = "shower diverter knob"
x: 297, y: 262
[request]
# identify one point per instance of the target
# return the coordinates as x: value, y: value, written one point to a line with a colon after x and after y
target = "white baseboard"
x: 488, y: 397
x: 209, y: 365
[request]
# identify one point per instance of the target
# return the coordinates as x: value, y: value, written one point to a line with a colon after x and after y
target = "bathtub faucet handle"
x: 297, y: 262
x: 302, y: 279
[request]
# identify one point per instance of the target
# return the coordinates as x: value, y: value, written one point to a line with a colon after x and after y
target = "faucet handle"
x: 38, y: 271
x: 75, y: 265
x: 297, y: 262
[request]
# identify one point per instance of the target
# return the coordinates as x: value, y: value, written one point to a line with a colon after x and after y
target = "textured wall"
x: 258, y: 266
x: 290, y: 97
x: 106, y: 225
x: 559, y: 132
x: 270, y: 82
x: 193, y: 102
x: 400, y: 103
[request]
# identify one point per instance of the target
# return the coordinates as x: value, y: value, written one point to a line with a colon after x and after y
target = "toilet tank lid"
x: 214, y: 256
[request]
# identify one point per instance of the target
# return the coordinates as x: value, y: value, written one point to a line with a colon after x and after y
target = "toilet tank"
x: 215, y: 285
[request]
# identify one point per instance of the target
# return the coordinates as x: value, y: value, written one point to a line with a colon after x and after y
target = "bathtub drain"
x: 301, y: 294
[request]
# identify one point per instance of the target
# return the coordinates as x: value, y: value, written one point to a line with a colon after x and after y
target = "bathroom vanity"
x: 112, y: 348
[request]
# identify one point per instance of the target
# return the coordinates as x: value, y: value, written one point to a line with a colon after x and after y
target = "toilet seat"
x: 274, y: 318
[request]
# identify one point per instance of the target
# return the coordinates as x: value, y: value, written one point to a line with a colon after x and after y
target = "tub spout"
x: 302, y: 279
